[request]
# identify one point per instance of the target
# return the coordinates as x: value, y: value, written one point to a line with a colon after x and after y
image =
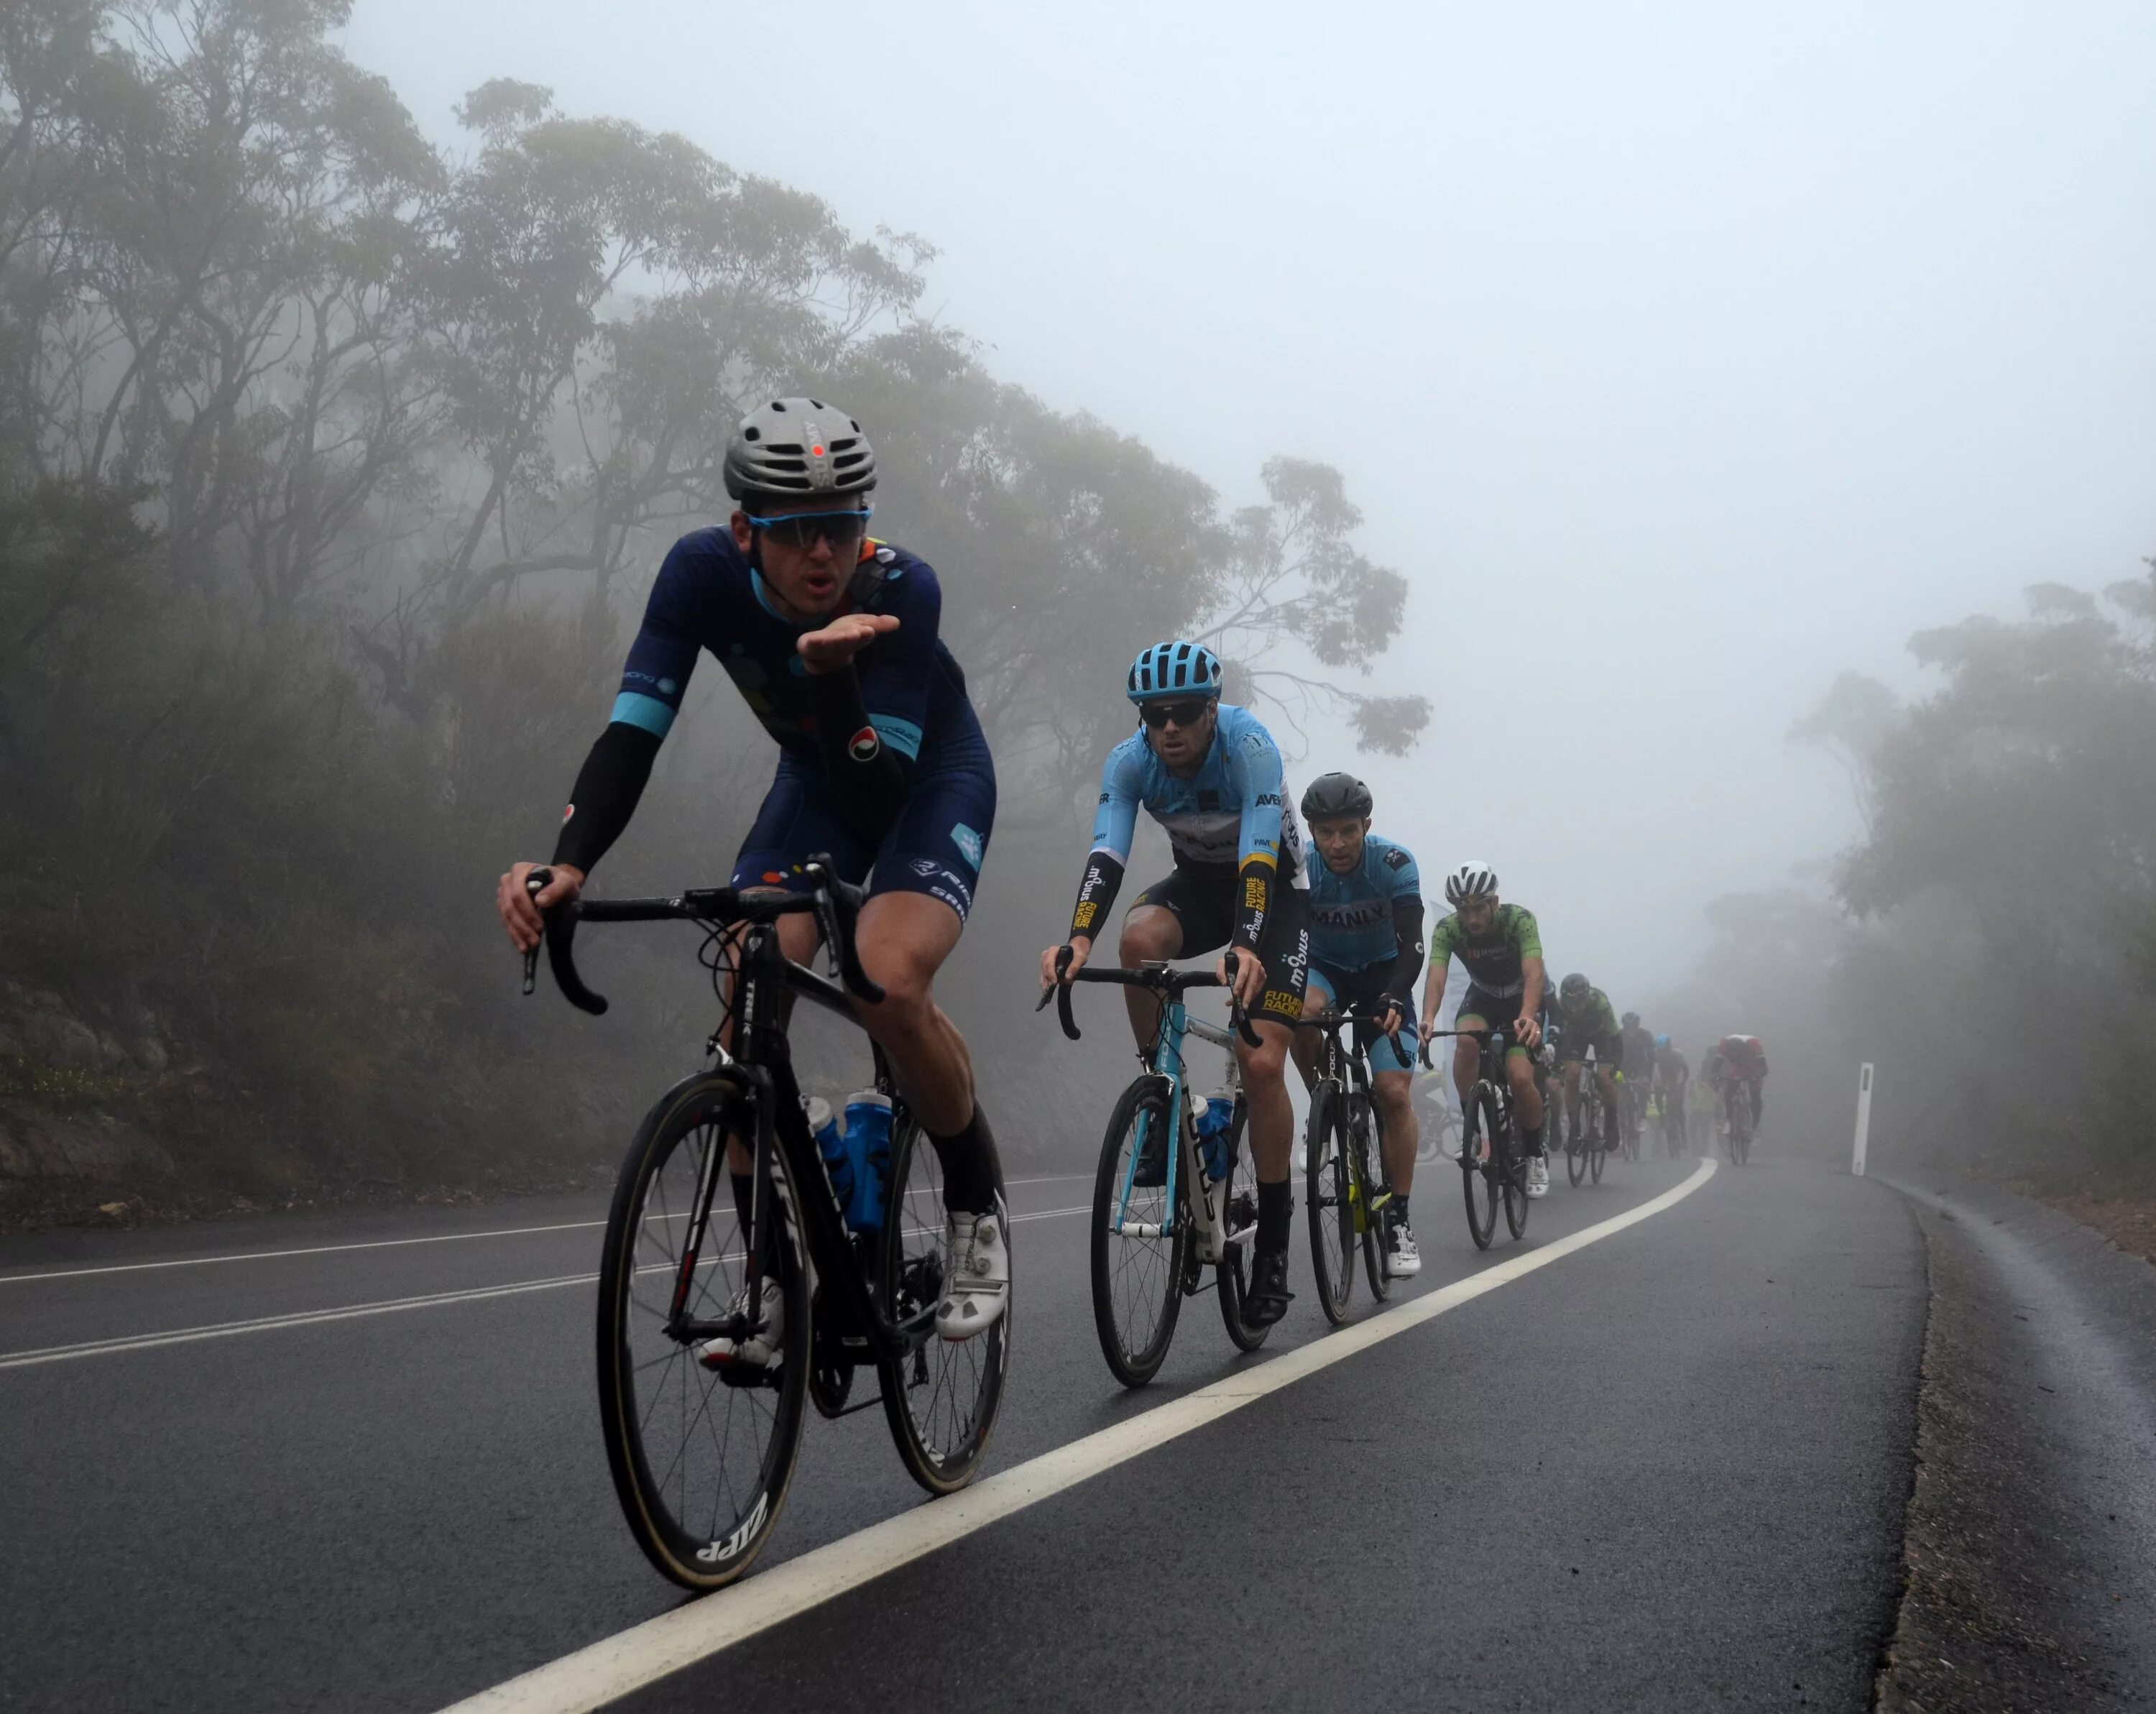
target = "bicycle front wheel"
x: 1478, y: 1180
x: 1138, y: 1245
x: 1512, y: 1163
x: 702, y: 1459
x: 1331, y: 1193
x: 1369, y: 1137
x: 942, y: 1397
x: 1238, y: 1216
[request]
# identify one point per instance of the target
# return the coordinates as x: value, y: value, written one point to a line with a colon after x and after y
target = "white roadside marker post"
x: 1863, y: 1117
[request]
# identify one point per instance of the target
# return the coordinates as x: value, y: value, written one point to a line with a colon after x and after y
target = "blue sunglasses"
x: 806, y: 529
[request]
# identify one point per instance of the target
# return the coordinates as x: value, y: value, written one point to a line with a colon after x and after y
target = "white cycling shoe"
x: 761, y: 1348
x: 976, y: 1275
x: 1403, y: 1260
x: 1538, y: 1175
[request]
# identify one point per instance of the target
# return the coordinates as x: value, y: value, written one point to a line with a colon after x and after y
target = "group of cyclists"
x: 832, y: 639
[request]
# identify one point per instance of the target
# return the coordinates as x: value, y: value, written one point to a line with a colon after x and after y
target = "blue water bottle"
x: 1213, y: 1126
x: 868, y: 1150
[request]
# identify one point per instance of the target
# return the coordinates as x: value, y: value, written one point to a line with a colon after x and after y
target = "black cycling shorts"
x: 1608, y: 1050
x: 1203, y: 902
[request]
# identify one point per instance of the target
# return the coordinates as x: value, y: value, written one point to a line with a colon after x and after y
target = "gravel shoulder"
x: 2030, y: 1546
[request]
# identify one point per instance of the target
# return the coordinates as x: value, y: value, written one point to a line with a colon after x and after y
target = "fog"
x: 1651, y: 396
x: 1680, y: 356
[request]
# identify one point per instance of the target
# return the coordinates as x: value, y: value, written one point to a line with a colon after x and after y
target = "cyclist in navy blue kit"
x: 831, y: 637
x: 1365, y: 954
x: 1211, y: 775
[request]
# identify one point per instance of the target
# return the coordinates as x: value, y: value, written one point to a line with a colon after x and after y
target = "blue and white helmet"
x: 1176, y: 669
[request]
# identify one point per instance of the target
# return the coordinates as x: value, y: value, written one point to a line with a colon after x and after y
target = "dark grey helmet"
x: 1335, y: 797
x: 1574, y: 987
x: 799, y: 448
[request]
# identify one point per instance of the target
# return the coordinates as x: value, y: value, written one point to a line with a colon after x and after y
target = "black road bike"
x: 703, y: 1455
x: 1346, y: 1188
x: 1493, y: 1163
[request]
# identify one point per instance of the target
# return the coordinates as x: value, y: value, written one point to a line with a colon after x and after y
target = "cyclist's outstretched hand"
x: 827, y: 650
x: 1079, y: 951
x: 1527, y: 1033
x: 1248, y: 984
x: 520, y: 911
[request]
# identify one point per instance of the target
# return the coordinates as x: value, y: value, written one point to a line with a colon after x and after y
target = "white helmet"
x: 1470, y: 881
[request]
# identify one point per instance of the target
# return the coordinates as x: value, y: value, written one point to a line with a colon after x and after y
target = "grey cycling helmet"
x: 1574, y: 987
x: 1629, y: 1020
x: 797, y: 449
x: 1336, y: 797
x: 1179, y: 668
x: 1470, y: 881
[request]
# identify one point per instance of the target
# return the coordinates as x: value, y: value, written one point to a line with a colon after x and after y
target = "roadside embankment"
x: 2030, y: 1549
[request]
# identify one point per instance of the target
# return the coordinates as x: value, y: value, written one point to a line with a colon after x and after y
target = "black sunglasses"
x: 1185, y: 714
x: 806, y: 529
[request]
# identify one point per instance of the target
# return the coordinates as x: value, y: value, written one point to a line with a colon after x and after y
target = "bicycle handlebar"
x: 835, y: 903
x: 1333, y: 1020
x: 1160, y: 977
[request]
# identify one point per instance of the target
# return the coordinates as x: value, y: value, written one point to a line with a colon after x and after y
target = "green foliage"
x: 2008, y: 880
x: 331, y: 473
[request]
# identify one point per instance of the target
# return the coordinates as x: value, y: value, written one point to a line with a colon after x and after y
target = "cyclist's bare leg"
x: 1572, y: 1079
x: 903, y: 940
x: 1527, y: 1099
x: 1467, y: 1059
x: 1150, y: 931
x: 1264, y: 1094
x: 1391, y: 1093
x: 1606, y: 1080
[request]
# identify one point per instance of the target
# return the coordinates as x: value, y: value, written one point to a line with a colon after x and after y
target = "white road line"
x: 271, y: 1324
x: 259, y: 1255
x: 594, y: 1676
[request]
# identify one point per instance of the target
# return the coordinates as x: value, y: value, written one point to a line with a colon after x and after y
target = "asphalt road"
x: 1666, y: 1471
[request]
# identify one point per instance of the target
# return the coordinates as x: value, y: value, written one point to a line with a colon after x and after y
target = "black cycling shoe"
x: 1266, y: 1300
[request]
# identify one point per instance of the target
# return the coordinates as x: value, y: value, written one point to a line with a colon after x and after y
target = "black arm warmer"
x: 1255, y: 886
x: 1096, y: 892
x: 608, y: 786
x: 1407, y: 936
x: 868, y: 778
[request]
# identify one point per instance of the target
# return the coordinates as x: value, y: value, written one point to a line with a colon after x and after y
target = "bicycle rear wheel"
x: 1369, y: 1135
x: 1575, y: 1144
x: 942, y: 1397
x: 1478, y: 1181
x: 1238, y: 1215
x: 1599, y: 1143
x: 1137, y: 1247
x: 1331, y: 1190
x: 701, y: 1459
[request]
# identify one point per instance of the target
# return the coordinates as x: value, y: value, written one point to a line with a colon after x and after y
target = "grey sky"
x: 1682, y: 355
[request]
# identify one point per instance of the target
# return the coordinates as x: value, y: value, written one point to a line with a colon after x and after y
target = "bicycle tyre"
x: 1134, y: 1354
x: 1377, y: 1199
x: 1511, y: 1160
x: 1240, y: 1215
x: 943, y: 1437
x: 745, y: 1503
x: 1330, y: 1193
x: 1597, y: 1152
x: 1478, y: 1182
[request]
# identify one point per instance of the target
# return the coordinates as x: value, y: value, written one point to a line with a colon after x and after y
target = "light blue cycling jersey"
x: 1233, y: 810
x: 1351, y: 915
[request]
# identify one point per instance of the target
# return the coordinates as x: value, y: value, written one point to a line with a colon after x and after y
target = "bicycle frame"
x: 1208, y: 1210
x: 1347, y: 1067
x: 767, y: 1095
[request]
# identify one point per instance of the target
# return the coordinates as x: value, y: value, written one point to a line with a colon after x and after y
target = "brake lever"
x: 843, y: 903
x: 535, y: 884
x: 1064, y: 1015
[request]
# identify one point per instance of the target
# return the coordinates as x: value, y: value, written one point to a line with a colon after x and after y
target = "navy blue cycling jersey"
x: 1351, y: 923
x: 708, y: 598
